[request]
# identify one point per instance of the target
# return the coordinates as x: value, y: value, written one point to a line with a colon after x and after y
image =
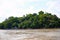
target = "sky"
x: 18, y: 8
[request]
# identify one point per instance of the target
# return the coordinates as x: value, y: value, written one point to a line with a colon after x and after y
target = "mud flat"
x: 30, y: 34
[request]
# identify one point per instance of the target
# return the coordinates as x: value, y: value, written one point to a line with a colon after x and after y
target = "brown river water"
x: 30, y: 34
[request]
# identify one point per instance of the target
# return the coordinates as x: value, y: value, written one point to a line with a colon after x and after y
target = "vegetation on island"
x: 32, y: 21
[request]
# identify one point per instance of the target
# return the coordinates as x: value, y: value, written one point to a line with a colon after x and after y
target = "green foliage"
x: 32, y: 21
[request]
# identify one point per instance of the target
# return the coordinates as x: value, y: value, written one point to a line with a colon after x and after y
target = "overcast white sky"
x: 22, y: 7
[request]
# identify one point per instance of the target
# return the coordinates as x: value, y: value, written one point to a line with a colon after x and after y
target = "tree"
x: 32, y: 21
x: 41, y: 12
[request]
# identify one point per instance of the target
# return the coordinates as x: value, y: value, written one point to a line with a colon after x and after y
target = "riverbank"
x: 30, y: 34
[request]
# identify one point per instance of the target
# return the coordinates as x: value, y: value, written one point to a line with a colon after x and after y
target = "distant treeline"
x: 32, y: 21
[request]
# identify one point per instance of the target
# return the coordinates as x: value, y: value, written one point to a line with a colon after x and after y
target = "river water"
x: 30, y: 34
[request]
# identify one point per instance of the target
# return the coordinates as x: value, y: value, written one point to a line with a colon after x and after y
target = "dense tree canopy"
x: 32, y: 21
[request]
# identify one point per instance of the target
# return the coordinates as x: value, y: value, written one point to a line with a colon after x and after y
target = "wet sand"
x: 30, y: 34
